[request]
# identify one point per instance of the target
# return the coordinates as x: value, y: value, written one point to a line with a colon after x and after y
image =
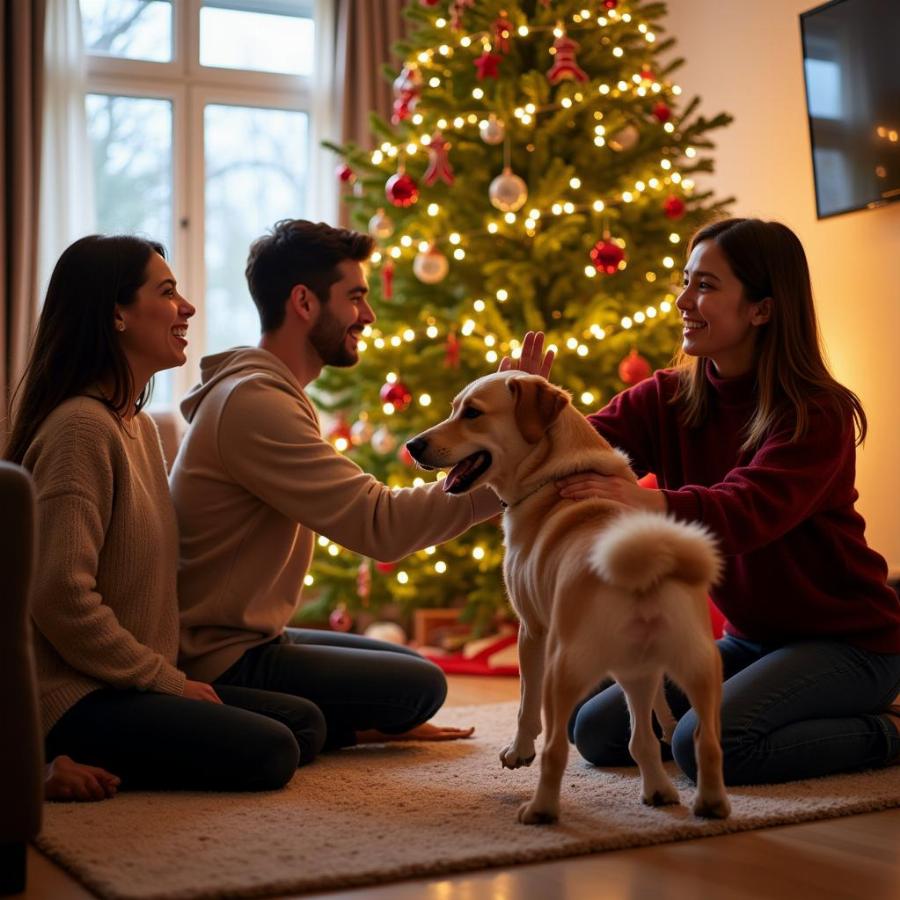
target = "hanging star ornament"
x: 487, y: 65
x: 439, y: 167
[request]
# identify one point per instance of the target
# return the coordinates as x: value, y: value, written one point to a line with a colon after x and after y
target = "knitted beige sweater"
x: 253, y: 482
x: 104, y: 601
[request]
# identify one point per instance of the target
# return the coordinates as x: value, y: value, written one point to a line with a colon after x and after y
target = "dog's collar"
x: 531, y: 493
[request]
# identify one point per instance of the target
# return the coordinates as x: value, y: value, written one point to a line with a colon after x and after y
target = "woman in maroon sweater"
x: 750, y: 435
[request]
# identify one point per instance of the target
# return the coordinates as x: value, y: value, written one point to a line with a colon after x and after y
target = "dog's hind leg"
x: 531, y: 661
x: 703, y: 688
x: 561, y: 692
x: 656, y: 786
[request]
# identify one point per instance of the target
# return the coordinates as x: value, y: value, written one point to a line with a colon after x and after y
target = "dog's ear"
x: 537, y: 406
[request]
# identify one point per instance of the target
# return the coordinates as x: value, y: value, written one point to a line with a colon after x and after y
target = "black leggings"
x: 253, y: 741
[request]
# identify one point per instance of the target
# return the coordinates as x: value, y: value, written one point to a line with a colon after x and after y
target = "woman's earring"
x: 120, y: 326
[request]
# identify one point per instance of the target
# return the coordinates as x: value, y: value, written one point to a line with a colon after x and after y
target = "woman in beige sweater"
x: 104, y: 603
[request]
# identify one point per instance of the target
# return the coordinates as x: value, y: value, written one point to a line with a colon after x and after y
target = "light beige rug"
x: 383, y: 813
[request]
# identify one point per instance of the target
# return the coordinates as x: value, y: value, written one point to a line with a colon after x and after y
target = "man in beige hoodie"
x: 255, y: 481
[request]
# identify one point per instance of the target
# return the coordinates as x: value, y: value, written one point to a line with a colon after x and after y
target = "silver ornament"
x: 492, y: 130
x: 508, y: 192
x: 430, y: 266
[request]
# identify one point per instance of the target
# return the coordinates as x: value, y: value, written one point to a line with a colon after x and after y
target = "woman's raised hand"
x: 533, y: 359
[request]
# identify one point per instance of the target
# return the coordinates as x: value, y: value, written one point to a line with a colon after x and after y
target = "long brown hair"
x: 791, y: 373
x: 75, y: 345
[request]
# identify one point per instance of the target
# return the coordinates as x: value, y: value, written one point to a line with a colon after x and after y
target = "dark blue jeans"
x: 251, y: 741
x: 358, y: 683
x: 788, y: 712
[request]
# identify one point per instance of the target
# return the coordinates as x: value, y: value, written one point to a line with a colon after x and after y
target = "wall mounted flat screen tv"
x: 851, y: 57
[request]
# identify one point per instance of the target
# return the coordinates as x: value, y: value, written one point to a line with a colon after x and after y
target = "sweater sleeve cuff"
x: 170, y: 681
x: 683, y: 504
x: 485, y: 504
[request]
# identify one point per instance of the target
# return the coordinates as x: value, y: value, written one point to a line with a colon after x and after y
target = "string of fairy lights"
x: 665, y: 177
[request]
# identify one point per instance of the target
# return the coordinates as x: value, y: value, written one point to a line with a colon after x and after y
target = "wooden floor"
x: 853, y: 858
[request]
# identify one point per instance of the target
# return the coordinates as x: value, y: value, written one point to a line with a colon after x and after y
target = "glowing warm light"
x: 668, y: 262
x: 665, y: 306
x: 431, y: 331
x: 626, y: 322
x: 402, y: 577
x: 459, y: 253
x: 323, y: 541
x: 409, y: 335
x: 341, y: 444
x: 587, y: 398
x: 478, y: 552
x: 440, y: 567
x: 333, y: 550
x: 492, y: 227
x: 582, y: 350
x: 479, y: 305
x: 503, y: 295
x: 433, y: 209
x: 308, y: 580
x: 491, y: 356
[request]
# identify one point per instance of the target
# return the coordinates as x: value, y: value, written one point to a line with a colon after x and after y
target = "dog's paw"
x: 666, y: 796
x: 510, y: 758
x: 532, y: 814
x: 712, y: 808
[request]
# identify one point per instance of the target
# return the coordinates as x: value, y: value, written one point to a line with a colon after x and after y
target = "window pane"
x: 261, y: 40
x: 257, y: 162
x: 131, y: 140
x: 135, y: 29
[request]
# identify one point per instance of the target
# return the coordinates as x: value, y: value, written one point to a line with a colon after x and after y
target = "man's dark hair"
x: 299, y: 252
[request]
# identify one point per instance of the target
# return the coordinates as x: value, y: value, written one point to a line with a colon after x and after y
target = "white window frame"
x: 189, y: 86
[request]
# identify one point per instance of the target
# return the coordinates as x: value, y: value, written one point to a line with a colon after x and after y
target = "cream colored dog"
x: 598, y: 591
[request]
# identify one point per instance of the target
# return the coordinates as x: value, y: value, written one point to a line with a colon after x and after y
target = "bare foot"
x: 425, y: 732
x: 65, y: 779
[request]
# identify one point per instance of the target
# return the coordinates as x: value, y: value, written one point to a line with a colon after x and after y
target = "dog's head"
x: 496, y: 422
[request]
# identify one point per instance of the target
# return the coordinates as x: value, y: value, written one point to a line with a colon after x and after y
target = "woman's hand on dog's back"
x: 533, y: 360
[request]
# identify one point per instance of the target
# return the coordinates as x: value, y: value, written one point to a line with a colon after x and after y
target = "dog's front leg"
x: 531, y: 664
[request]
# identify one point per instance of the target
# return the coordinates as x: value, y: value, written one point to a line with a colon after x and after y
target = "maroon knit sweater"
x: 797, y: 563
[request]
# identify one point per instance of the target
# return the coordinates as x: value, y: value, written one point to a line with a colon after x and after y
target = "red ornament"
x: 634, y: 368
x: 385, y: 567
x: 647, y: 74
x: 451, y: 351
x: 341, y: 432
x: 364, y: 581
x: 610, y: 4
x: 387, y: 279
x: 564, y: 64
x: 457, y: 8
x: 606, y: 256
x: 405, y: 456
x: 407, y: 90
x: 503, y: 28
x: 438, y: 164
x: 397, y: 394
x: 674, y: 207
x: 487, y: 65
x: 340, y: 620
x: 429, y: 2
x: 401, y: 189
x: 661, y: 112
x: 345, y: 174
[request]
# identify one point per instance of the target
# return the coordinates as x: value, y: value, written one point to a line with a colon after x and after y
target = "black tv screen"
x: 851, y: 61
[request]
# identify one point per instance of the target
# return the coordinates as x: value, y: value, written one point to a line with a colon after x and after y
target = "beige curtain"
x: 365, y: 33
x: 21, y: 65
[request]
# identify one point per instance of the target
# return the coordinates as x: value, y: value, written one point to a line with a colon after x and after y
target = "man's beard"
x: 328, y: 338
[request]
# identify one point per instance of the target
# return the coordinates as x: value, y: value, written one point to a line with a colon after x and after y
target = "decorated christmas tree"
x: 536, y: 174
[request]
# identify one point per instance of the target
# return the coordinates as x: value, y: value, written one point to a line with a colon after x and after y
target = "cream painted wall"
x: 745, y: 58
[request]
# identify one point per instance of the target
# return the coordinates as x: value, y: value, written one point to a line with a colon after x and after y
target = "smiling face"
x: 336, y: 332
x: 720, y: 323
x: 153, y: 329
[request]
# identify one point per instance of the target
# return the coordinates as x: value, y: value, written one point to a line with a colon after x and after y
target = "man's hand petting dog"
x: 532, y: 360
x: 593, y: 485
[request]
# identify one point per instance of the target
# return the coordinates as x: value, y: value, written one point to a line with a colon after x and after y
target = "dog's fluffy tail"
x: 640, y: 549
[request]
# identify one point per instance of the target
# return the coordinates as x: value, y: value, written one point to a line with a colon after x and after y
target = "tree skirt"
x: 383, y: 813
